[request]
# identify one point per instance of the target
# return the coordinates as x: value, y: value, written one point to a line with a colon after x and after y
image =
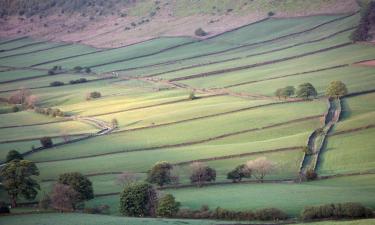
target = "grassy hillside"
x: 233, y: 116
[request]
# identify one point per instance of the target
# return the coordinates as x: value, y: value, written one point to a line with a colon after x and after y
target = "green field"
x: 232, y: 118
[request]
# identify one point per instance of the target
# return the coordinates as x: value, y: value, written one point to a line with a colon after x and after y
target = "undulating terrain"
x: 181, y: 98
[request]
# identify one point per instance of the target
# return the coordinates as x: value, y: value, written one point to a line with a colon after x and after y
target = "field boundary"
x: 181, y: 144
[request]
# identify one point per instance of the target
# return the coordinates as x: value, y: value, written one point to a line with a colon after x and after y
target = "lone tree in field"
x: 46, y: 142
x: 201, y: 173
x: 200, y: 32
x: 17, y: 180
x: 167, y: 206
x: 13, y: 155
x: 306, y: 91
x: 114, y: 123
x: 138, y: 199
x: 160, y: 173
x: 79, y: 183
x: 238, y: 173
x: 336, y: 89
x: 260, y: 167
x: 64, y: 198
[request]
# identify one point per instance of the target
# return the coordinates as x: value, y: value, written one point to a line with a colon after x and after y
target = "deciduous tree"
x: 336, y: 89
x: 201, y: 173
x: 160, y: 173
x: 79, y: 183
x: 260, y: 167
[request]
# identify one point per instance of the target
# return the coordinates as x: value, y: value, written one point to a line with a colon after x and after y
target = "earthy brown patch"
x: 367, y: 63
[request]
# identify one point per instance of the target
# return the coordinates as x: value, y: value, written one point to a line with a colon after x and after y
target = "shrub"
x: 270, y: 214
x: 93, y: 94
x: 271, y: 13
x: 46, y: 142
x: 56, y: 83
x: 339, y: 211
x: 192, y: 96
x: 138, y: 199
x: 201, y: 174
x: 311, y: 174
x: 167, y: 206
x: 200, y: 32
x: 87, y: 70
x: 77, y: 69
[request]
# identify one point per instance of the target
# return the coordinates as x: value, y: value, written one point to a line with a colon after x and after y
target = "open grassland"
x: 347, y: 153
x: 7, y: 76
x: 357, y: 112
x: 23, y: 118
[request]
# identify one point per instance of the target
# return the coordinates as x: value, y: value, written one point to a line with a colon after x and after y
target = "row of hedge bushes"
x: 49, y: 111
x: 60, y: 83
x: 348, y: 210
x: 266, y: 214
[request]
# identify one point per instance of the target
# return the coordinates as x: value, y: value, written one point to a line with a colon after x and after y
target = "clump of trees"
x: 49, y: 111
x: 93, y: 95
x: 306, y: 90
x: 79, y: 69
x: 80, y: 183
x: 336, y: 89
x: 18, y: 180
x: 238, y: 173
x: 200, y: 32
x: 160, y: 173
x: 24, y: 97
x: 46, y: 142
x: 201, y: 173
x: 348, y: 210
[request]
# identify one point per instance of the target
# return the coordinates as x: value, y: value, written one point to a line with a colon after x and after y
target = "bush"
x: 138, y: 199
x: 338, y: 211
x: 46, y: 142
x: 93, y: 94
x: 77, y: 69
x: 238, y: 173
x: 271, y: 13
x: 270, y: 214
x: 167, y: 206
x: 311, y: 175
x: 200, y: 32
x: 56, y: 83
x: 192, y: 96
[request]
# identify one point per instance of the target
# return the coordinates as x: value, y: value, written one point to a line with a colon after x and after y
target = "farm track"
x: 233, y: 69
x: 243, y: 57
x: 35, y: 51
x: 185, y: 143
x: 243, y: 46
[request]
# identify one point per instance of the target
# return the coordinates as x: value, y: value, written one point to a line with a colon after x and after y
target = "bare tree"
x: 114, y: 123
x: 201, y: 173
x: 260, y: 167
x: 126, y: 178
x: 31, y: 101
x: 64, y: 198
x: 19, y: 97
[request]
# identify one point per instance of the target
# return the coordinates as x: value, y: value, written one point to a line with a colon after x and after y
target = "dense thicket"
x: 362, y: 33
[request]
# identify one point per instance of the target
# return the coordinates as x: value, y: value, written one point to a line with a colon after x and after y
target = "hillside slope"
x: 116, y: 23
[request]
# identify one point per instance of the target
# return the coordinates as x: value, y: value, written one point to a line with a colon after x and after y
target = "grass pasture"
x: 158, y: 122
